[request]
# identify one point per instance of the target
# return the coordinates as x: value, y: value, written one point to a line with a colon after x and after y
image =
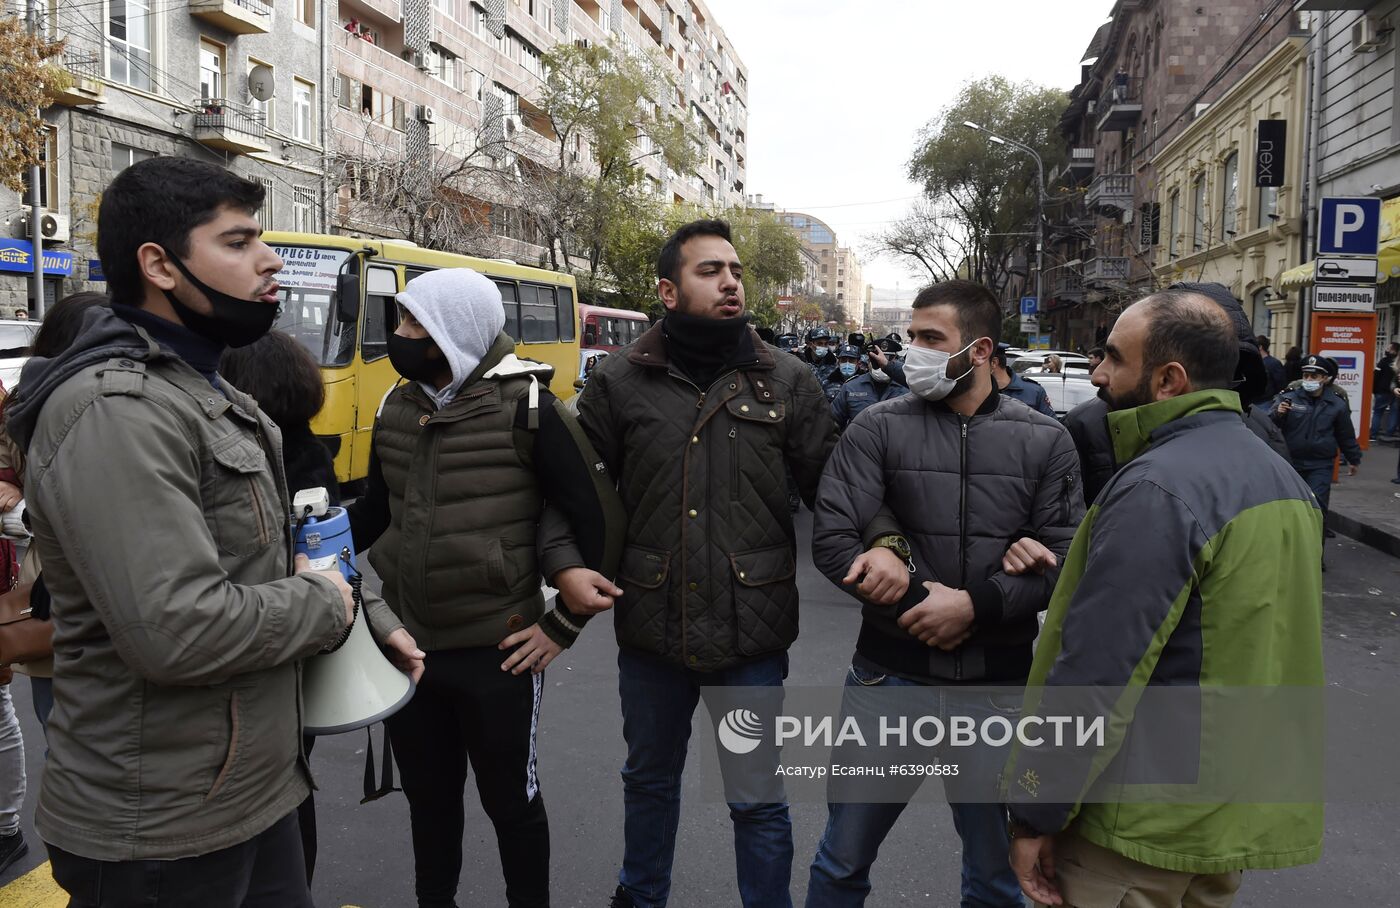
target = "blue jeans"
x: 658, y: 700
x: 840, y: 874
x: 1385, y: 408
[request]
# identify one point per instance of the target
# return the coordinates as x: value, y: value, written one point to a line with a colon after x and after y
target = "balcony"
x: 85, y: 69
x: 1110, y: 194
x: 241, y: 17
x: 1106, y: 269
x: 1120, y: 106
x: 1069, y: 285
x: 1081, y: 162
x: 219, y: 124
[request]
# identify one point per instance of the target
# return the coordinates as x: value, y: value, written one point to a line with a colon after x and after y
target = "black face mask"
x: 235, y: 322
x: 409, y: 357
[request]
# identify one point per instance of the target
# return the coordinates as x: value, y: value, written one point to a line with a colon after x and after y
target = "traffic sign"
x: 1030, y: 324
x: 1349, y: 226
x: 1030, y: 306
x: 1345, y: 271
x: 1334, y: 298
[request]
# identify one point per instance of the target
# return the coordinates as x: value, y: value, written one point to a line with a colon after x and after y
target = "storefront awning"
x: 1388, y: 266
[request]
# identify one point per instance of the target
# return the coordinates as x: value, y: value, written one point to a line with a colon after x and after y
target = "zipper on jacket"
x: 1068, y: 486
x: 962, y: 530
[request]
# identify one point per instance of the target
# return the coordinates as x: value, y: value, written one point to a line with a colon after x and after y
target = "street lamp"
x: 1039, y: 201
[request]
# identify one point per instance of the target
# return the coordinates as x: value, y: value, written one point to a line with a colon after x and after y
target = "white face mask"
x: 1312, y: 386
x: 880, y: 375
x: 927, y: 371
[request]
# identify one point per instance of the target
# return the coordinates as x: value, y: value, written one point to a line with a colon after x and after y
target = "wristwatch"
x: 899, y: 545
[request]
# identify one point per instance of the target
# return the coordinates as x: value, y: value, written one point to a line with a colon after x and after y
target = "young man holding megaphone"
x: 159, y: 507
x: 478, y: 478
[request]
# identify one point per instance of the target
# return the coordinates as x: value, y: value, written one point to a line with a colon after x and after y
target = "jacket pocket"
x: 243, y: 497
x: 765, y: 600
x: 643, y: 612
x: 231, y: 758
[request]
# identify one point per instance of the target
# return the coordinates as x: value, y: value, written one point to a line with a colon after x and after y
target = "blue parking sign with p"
x: 1029, y: 305
x: 1349, y: 226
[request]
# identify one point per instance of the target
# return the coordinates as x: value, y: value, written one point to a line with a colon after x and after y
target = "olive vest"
x: 458, y: 560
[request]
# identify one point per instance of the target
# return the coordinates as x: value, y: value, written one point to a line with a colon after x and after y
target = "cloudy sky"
x: 839, y: 88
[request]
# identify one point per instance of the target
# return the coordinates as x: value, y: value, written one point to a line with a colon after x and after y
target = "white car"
x: 1035, y: 359
x: 15, y: 338
x: 1065, y: 390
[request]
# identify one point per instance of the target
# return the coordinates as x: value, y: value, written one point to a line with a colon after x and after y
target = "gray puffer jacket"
x: 961, y: 490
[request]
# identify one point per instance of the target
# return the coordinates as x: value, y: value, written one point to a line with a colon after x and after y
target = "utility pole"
x: 1039, y: 201
x: 36, y: 226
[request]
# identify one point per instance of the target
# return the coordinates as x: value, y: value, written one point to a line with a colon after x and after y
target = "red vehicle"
x: 609, y: 329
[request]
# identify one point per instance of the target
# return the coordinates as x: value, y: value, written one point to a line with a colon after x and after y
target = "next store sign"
x: 18, y: 255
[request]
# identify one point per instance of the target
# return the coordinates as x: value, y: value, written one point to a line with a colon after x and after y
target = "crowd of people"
x: 949, y: 503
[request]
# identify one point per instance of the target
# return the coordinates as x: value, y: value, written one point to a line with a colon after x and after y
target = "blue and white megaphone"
x: 352, y: 685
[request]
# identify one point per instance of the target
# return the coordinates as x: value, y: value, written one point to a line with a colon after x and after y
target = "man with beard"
x: 940, y: 483
x: 697, y: 421
x: 180, y: 618
x: 1197, y: 568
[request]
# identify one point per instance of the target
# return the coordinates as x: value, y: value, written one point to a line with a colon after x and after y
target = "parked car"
x: 15, y: 338
x: 1066, y: 390
x: 1035, y: 359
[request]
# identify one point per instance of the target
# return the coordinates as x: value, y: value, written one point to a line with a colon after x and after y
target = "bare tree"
x: 928, y: 238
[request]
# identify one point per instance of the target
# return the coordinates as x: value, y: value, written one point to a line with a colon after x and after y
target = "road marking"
x: 36, y: 889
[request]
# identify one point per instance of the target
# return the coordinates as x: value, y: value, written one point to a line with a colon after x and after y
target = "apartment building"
x: 174, y: 81
x: 839, y: 270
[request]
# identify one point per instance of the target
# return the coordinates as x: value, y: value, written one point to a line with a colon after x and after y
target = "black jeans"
x: 467, y: 711
x: 267, y: 871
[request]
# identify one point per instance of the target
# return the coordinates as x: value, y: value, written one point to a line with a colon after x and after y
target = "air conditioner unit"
x: 1368, y: 35
x: 53, y: 227
x: 425, y: 114
x: 420, y: 62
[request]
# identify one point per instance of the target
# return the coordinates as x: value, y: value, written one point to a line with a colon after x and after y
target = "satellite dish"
x: 260, y: 85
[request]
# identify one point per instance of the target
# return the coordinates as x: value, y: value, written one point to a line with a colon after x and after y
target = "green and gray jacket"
x: 455, y: 500
x: 160, y: 509
x: 1198, y: 567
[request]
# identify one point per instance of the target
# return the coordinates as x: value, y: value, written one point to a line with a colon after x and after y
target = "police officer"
x: 1316, y: 423
x: 866, y: 389
x: 847, y: 368
x: 1018, y: 387
x: 818, y: 354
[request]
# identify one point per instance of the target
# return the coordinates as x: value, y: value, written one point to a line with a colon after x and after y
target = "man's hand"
x: 10, y: 495
x: 535, y: 652
x: 878, y: 359
x: 944, y: 619
x: 1284, y: 406
x: 1027, y: 556
x: 1033, y: 861
x: 405, y: 654
x: 302, y: 565
x: 585, y: 592
x: 883, y: 576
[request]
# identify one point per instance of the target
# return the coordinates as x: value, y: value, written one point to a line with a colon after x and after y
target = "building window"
x: 530, y: 59
x: 442, y: 64
x: 446, y: 7
x: 269, y: 194
x: 123, y: 156
x: 49, y: 162
x: 478, y: 21
x: 1198, y: 213
x: 304, y: 210
x: 306, y: 12
x: 1267, y: 209
x: 261, y: 107
x: 1230, y: 196
x: 129, y: 33
x: 1174, y: 224
x: 211, y: 70
x: 304, y: 104
x: 1261, y: 316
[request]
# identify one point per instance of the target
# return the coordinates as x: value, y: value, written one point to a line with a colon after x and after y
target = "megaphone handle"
x: 356, y: 581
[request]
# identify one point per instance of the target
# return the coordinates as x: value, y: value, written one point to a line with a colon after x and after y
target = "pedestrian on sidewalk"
x: 1165, y: 589
x: 1385, y: 413
x: 697, y: 422
x: 158, y: 506
x: 465, y: 457
x: 1316, y: 425
x: 960, y: 622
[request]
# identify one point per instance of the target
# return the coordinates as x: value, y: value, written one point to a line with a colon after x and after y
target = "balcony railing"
x: 1106, y: 268
x: 241, y: 17
x: 1120, y: 104
x: 85, y: 67
x: 1069, y: 285
x: 219, y: 124
x: 1081, y: 158
x: 1110, y: 193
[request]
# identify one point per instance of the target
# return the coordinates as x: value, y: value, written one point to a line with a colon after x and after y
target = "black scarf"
x: 703, y: 348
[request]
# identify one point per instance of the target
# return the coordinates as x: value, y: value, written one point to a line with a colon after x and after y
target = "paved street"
x: 366, y: 860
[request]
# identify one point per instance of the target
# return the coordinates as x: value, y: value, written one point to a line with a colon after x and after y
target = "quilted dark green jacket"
x: 709, y: 569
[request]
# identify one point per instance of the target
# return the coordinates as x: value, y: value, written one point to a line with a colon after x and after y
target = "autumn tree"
x: 31, y: 74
